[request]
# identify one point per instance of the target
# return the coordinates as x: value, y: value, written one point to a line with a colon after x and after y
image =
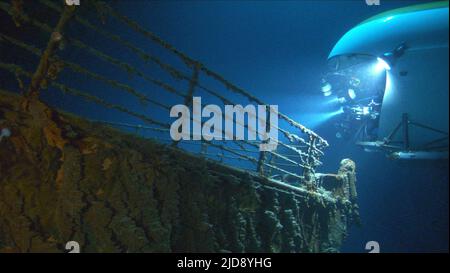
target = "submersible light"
x: 351, y: 93
x: 326, y: 89
x: 342, y: 100
x: 365, y: 111
x: 388, y: 19
x: 381, y: 65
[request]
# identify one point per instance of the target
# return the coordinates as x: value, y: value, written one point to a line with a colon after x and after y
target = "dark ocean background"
x: 278, y: 51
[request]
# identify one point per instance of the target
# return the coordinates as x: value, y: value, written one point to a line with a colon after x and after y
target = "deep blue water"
x: 278, y: 51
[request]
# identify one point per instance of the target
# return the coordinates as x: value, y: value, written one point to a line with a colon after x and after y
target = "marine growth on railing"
x: 143, y: 77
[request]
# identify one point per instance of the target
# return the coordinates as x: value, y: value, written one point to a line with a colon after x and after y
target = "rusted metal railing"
x: 297, y: 155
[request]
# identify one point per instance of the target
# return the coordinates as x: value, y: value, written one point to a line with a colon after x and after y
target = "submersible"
x: 390, y: 74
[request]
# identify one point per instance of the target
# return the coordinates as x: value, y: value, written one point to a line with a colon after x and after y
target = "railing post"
x: 222, y: 154
x: 261, y: 160
x: 44, y: 63
x: 308, y: 173
x: 271, y: 162
x: 138, y: 130
x: 204, y: 148
x: 190, y: 93
x: 262, y: 154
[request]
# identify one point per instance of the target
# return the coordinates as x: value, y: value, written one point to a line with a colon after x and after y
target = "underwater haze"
x: 278, y: 50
